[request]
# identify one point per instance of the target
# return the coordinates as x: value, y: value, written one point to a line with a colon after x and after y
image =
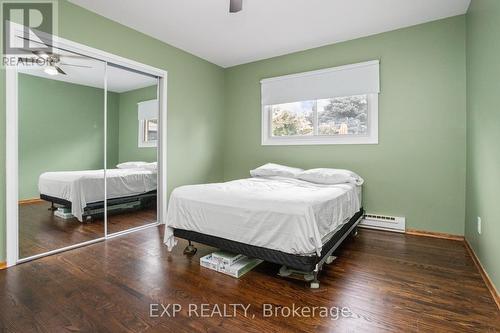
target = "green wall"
x: 418, y: 168
x: 195, y: 97
x: 61, y: 129
x: 128, y: 137
x: 483, y: 133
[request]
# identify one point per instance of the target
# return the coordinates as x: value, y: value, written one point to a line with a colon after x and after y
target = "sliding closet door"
x: 132, y: 133
x: 61, y: 153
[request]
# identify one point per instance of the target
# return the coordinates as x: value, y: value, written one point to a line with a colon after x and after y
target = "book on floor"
x: 226, y: 258
x: 237, y: 269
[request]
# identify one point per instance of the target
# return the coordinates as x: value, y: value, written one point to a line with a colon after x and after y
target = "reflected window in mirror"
x: 148, y: 123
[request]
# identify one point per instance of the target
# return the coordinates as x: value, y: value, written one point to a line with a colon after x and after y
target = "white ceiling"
x: 118, y: 80
x: 267, y: 28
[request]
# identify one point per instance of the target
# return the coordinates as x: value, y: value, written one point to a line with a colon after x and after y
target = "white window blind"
x: 147, y: 110
x: 356, y: 79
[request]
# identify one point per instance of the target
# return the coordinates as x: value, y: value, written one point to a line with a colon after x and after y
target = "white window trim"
x: 370, y: 138
x: 140, y: 142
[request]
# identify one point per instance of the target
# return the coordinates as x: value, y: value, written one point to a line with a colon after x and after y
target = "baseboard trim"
x: 435, y: 234
x: 484, y: 274
x: 3, y: 265
x: 30, y: 201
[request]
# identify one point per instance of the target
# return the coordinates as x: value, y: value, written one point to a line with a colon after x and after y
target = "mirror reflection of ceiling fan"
x: 52, y: 61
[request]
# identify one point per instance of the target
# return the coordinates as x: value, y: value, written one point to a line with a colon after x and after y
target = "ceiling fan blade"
x: 60, y: 70
x: 27, y: 51
x: 41, y: 54
x: 76, y: 56
x: 33, y: 41
x: 82, y: 66
x: 235, y: 6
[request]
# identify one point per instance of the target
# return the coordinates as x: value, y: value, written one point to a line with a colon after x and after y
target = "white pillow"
x: 153, y: 166
x: 131, y: 165
x: 331, y: 176
x: 271, y: 169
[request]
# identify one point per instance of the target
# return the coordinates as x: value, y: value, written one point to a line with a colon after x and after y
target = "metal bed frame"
x: 95, y: 209
x: 308, y: 266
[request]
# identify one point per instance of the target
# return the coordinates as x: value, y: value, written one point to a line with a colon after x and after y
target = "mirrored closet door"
x: 132, y: 136
x: 60, y: 152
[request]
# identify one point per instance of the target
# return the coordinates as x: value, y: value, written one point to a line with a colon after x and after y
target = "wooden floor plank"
x: 41, y: 231
x: 390, y: 282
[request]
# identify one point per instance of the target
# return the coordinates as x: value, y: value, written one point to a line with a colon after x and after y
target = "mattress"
x: 283, y: 214
x: 84, y: 187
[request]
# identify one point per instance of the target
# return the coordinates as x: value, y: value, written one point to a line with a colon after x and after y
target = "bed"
x: 83, y: 191
x: 283, y: 220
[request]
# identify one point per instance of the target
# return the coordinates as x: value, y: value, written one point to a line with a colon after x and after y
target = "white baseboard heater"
x: 383, y: 222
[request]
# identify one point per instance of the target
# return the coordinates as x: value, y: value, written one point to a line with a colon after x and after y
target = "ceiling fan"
x: 53, y: 62
x: 235, y: 6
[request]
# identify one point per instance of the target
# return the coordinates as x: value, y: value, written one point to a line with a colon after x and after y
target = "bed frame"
x: 308, y: 266
x: 97, y: 208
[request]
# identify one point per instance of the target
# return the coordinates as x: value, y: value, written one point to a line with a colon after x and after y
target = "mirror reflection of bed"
x: 63, y: 164
x: 132, y: 166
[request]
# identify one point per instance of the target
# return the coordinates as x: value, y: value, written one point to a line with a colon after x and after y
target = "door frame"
x: 11, y: 146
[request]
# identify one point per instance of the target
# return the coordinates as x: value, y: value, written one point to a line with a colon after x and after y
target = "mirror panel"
x: 61, y: 153
x: 132, y: 132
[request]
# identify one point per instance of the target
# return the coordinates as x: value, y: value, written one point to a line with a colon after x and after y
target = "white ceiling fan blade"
x: 74, y: 65
x: 76, y: 56
x: 43, y: 54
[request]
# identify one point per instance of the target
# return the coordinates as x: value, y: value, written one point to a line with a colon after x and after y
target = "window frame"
x: 142, y: 143
x: 371, y: 137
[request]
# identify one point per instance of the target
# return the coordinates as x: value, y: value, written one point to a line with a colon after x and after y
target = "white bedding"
x: 83, y: 187
x: 283, y: 214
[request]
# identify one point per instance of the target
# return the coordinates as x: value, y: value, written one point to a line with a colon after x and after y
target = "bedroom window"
x: 333, y: 106
x: 150, y: 130
x: 148, y: 123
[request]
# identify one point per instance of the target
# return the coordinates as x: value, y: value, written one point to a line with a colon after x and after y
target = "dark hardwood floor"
x: 41, y: 231
x: 390, y: 283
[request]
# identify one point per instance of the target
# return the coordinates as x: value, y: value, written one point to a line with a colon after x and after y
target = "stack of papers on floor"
x: 64, y: 213
x: 235, y: 265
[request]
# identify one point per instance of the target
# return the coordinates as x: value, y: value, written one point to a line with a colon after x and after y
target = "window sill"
x: 147, y: 145
x: 365, y: 140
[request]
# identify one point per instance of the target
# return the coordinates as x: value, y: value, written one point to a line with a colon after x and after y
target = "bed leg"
x: 315, y: 282
x: 190, y: 249
x: 52, y: 207
x: 354, y: 232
